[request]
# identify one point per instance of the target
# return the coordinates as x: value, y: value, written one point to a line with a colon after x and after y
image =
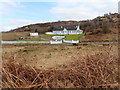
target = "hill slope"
x: 105, y: 26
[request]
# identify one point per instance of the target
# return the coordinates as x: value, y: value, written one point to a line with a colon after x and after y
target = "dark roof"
x: 67, y: 27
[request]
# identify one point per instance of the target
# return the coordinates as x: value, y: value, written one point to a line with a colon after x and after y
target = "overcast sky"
x: 17, y: 13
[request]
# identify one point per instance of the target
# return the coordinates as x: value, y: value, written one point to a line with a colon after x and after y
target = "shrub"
x: 99, y: 70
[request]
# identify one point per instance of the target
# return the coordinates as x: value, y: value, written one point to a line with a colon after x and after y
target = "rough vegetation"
x: 97, y: 70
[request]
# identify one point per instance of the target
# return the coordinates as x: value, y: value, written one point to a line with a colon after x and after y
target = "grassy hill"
x: 100, y: 28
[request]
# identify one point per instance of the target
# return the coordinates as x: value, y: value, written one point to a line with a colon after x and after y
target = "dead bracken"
x: 93, y: 71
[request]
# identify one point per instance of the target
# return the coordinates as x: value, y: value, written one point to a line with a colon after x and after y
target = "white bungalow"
x: 65, y: 31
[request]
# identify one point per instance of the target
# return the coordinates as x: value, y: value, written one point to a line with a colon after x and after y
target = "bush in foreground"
x: 99, y: 70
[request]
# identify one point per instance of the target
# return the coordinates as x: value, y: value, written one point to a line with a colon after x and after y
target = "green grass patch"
x: 49, y: 37
x: 73, y: 37
x: 67, y: 37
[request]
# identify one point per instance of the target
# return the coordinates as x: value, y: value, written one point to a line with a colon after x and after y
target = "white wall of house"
x: 68, y: 32
x: 65, y: 31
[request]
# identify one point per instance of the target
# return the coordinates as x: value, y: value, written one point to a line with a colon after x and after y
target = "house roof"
x: 61, y: 28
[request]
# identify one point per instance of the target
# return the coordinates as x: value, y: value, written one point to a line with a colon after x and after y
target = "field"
x: 67, y: 37
x: 60, y: 66
x: 14, y: 36
x: 45, y: 37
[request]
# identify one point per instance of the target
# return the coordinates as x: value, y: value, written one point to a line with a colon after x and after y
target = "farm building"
x: 66, y: 31
x: 33, y: 34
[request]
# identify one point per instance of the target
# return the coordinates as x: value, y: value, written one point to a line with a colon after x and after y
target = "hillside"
x: 100, y: 26
x: 87, y: 25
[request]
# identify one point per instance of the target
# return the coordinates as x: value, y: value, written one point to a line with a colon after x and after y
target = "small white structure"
x: 56, y: 42
x: 64, y: 41
x: 58, y: 37
x: 33, y: 34
x: 65, y: 31
x: 70, y: 41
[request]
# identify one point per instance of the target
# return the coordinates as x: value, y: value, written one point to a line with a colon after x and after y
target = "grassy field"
x: 47, y: 55
x: 67, y: 37
x: 14, y: 36
x: 59, y: 66
x: 49, y: 37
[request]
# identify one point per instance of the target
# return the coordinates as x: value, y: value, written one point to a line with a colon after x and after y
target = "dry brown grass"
x: 98, y: 70
x: 110, y: 37
x: 14, y: 35
x: 47, y: 56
